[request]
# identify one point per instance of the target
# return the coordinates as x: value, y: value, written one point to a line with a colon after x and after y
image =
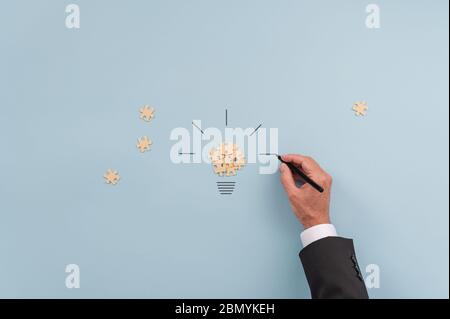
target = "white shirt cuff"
x: 312, y: 234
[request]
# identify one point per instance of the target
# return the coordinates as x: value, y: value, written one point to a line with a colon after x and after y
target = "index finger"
x: 306, y: 163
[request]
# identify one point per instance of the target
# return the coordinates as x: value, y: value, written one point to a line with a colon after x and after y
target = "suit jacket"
x: 332, y: 270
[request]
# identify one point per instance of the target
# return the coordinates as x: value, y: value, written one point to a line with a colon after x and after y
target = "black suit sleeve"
x: 332, y: 270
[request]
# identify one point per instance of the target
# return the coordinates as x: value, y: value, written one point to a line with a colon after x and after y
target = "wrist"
x: 311, y: 222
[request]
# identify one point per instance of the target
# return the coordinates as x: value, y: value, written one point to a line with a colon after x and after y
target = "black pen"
x: 294, y: 169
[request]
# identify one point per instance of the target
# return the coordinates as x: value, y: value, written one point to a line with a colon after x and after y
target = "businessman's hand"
x: 310, y: 206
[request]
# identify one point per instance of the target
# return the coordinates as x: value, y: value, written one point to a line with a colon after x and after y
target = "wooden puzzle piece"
x: 147, y: 113
x: 360, y: 108
x: 111, y: 177
x: 226, y: 159
x: 144, y: 144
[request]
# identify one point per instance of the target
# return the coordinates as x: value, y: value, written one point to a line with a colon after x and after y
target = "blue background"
x: 69, y: 103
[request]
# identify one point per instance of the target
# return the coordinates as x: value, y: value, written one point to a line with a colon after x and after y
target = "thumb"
x: 287, y: 180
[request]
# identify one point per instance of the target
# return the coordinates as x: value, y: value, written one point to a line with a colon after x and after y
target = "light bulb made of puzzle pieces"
x: 360, y: 108
x: 111, y: 177
x: 144, y: 144
x: 147, y: 113
x: 226, y: 159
